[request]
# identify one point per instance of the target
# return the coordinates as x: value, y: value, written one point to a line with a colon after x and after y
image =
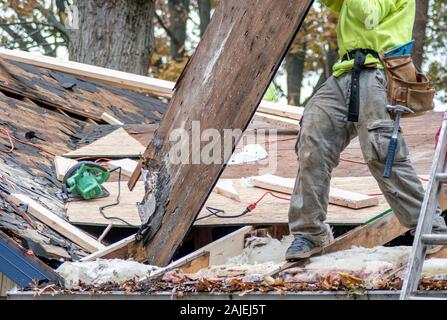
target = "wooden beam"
x: 127, y: 80
x: 373, y: 234
x: 56, y: 223
x: 127, y: 165
x: 218, y: 97
x: 217, y: 252
x: 338, y: 197
x: 111, y: 119
x: 287, y: 111
x: 226, y: 189
x: 278, y: 121
x: 62, y: 165
x: 109, y: 249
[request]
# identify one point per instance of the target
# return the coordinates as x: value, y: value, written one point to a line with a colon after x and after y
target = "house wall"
x: 6, y: 284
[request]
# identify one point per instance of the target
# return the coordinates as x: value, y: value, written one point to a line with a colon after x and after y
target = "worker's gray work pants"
x: 325, y: 133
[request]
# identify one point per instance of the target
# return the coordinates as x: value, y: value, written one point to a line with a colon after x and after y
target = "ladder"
x: 424, y: 235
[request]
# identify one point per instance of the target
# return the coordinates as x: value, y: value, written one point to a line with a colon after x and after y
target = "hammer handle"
x: 390, y: 158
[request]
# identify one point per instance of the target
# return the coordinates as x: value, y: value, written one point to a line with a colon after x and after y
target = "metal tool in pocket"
x: 398, y: 110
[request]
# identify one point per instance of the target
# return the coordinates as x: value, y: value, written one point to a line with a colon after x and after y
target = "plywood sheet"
x: 118, y: 144
x: 87, y: 212
x: 275, y: 211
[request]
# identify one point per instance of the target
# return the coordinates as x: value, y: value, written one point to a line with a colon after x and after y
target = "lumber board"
x: 337, y: 196
x: 62, y: 165
x: 118, y: 144
x: 128, y: 80
x: 111, y: 119
x: 87, y: 212
x: 140, y: 83
x: 226, y: 189
x: 217, y: 252
x: 278, y: 121
x: 272, y: 211
x: 109, y: 249
x: 377, y: 233
x: 127, y: 165
x: 253, y: 43
x: 287, y: 111
x: 56, y: 223
x: 86, y: 98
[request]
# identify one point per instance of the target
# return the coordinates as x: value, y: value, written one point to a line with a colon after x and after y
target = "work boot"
x: 302, y: 248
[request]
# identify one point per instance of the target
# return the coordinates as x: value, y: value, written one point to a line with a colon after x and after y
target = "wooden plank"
x: 118, y: 144
x: 128, y: 80
x: 226, y: 189
x: 272, y: 211
x: 218, y: 251
x: 56, y: 223
x: 127, y: 165
x: 111, y: 119
x: 87, y: 212
x: 278, y: 121
x: 253, y: 42
x: 154, y: 86
x: 109, y: 249
x: 337, y: 196
x: 287, y: 111
x: 89, y: 99
x: 62, y: 166
x: 196, y: 264
x: 376, y: 233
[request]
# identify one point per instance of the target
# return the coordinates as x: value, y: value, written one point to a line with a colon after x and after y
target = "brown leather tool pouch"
x: 407, y: 86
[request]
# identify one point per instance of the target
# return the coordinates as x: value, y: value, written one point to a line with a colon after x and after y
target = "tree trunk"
x: 116, y: 34
x: 204, y: 14
x: 178, y: 16
x: 295, y: 62
x: 420, y: 31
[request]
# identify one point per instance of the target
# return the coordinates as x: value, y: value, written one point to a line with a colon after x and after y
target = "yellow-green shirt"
x: 380, y: 25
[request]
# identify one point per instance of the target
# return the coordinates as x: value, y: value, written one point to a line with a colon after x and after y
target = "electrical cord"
x: 101, y: 209
x: 221, y: 213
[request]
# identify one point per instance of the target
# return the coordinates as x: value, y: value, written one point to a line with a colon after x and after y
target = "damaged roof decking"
x: 29, y: 113
x: 78, y: 96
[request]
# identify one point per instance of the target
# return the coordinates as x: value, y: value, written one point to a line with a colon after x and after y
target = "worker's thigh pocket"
x: 380, y: 133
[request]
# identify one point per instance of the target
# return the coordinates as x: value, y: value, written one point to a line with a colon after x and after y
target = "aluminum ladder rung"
x: 435, y: 239
x: 441, y: 177
x: 423, y: 237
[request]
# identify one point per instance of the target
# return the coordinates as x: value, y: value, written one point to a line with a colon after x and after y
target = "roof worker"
x: 333, y: 118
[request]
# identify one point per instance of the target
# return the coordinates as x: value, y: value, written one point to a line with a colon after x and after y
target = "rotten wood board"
x: 87, y: 212
x: 78, y: 96
x: 118, y: 144
x: 339, y: 197
x: 253, y: 42
x: 273, y: 211
x: 56, y: 223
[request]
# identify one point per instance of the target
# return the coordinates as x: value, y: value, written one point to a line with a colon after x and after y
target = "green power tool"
x: 84, y: 181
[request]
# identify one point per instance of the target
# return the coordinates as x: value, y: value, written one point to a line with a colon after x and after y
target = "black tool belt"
x: 359, y: 56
